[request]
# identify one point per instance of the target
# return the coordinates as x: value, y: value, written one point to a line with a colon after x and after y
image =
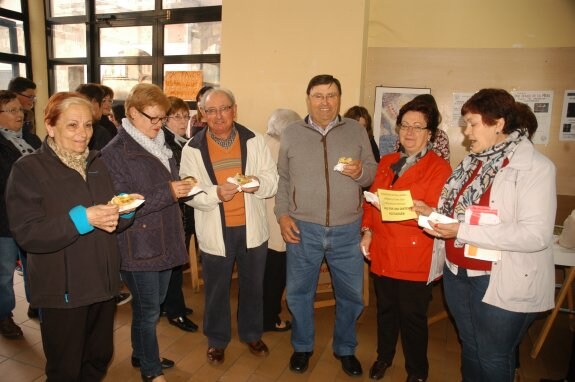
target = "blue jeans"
x: 9, y: 253
x: 217, y: 272
x: 340, y: 247
x: 489, y: 335
x: 148, y: 292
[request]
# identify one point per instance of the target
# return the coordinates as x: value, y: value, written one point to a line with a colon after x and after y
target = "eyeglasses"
x: 153, y: 120
x: 222, y: 110
x: 415, y: 128
x: 323, y: 97
x: 30, y: 97
x: 15, y: 110
x: 179, y: 117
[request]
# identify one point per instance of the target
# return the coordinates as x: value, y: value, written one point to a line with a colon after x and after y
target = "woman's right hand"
x: 103, y: 216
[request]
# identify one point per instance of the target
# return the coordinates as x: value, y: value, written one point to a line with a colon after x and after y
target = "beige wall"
x: 472, y: 24
x: 271, y: 49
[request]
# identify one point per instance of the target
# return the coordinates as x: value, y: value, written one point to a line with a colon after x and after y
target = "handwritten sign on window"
x: 184, y: 85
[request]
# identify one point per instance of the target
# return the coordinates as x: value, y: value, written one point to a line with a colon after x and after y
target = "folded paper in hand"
x: 423, y: 221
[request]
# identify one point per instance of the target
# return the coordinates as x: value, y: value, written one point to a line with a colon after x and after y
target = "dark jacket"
x: 66, y: 269
x: 9, y: 154
x: 187, y: 211
x: 155, y: 241
x: 100, y: 137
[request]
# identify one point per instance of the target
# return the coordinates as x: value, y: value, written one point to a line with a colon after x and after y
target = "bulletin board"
x: 448, y: 71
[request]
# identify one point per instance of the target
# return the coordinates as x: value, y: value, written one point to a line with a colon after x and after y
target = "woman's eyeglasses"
x: 179, y: 117
x: 153, y: 120
x: 415, y: 128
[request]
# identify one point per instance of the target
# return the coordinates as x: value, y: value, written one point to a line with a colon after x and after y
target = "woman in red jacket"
x: 400, y: 252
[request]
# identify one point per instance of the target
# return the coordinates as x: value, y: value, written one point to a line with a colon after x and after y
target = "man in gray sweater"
x: 319, y: 211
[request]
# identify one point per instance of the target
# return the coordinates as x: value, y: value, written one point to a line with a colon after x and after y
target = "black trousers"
x: 402, y: 309
x: 274, y: 285
x: 78, y: 342
x: 174, y: 305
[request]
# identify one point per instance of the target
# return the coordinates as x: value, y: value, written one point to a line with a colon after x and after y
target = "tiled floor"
x: 23, y: 360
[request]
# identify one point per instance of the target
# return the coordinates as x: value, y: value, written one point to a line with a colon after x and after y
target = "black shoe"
x: 166, y: 363
x: 378, y: 369
x: 283, y: 326
x: 413, y: 378
x: 32, y: 313
x: 350, y: 365
x: 299, y: 361
x: 188, y: 311
x: 9, y: 329
x: 184, y: 323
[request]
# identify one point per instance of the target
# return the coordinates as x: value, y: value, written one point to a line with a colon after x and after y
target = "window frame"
x: 15, y: 59
x: 156, y: 18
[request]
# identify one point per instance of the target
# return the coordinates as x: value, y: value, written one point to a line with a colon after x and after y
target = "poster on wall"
x: 458, y: 100
x: 388, y: 101
x: 567, y: 128
x: 540, y: 101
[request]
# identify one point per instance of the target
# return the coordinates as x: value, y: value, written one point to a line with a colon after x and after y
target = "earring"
x: 497, y: 133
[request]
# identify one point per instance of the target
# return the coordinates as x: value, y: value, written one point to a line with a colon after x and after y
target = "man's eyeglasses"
x: 180, y: 117
x: 15, y: 110
x: 415, y: 128
x: 213, y: 111
x: 30, y: 97
x: 153, y: 120
x: 321, y: 97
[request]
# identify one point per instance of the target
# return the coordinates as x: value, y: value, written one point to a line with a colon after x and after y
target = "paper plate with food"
x: 243, y: 181
x: 126, y: 202
x: 196, y: 189
x: 341, y: 163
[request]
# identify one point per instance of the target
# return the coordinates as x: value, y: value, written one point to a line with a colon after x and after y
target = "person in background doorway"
x: 275, y: 273
x: 231, y: 225
x: 59, y: 213
x: 199, y: 120
x: 15, y: 143
x: 107, y: 103
x: 95, y: 95
x: 361, y: 115
x: 26, y: 91
x: 400, y: 252
x: 175, y: 131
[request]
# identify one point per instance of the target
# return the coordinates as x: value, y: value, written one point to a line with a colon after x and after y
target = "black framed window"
x: 14, y: 41
x: 121, y: 43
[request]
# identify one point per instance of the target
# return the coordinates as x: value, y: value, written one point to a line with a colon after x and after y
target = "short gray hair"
x: 279, y: 120
x: 225, y: 91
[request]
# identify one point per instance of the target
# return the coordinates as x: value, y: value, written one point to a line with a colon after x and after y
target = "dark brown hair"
x: 426, y: 105
x: 493, y: 104
x: 357, y: 112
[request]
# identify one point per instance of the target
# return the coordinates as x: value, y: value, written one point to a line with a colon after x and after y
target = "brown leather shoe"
x: 258, y: 348
x: 215, y: 356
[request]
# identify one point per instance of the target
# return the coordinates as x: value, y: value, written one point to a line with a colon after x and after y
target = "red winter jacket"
x: 401, y: 250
